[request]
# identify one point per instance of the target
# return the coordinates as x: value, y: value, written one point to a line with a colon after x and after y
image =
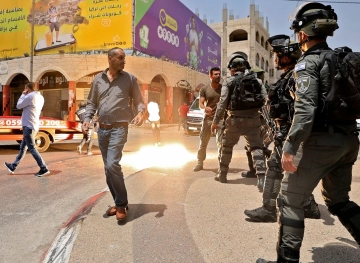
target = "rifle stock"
x: 273, y: 130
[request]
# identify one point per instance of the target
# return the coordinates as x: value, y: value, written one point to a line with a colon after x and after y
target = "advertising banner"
x: 68, y: 25
x: 169, y: 30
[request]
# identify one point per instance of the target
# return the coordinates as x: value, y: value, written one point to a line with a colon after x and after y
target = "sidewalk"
x: 177, y: 215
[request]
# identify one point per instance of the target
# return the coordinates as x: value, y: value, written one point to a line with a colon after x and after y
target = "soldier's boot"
x: 221, y: 177
x: 349, y: 215
x: 199, y: 166
x: 265, y: 213
x: 260, y: 182
x: 311, y: 209
x: 248, y: 174
x: 252, y: 172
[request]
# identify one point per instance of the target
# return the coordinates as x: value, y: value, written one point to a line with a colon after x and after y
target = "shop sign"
x: 52, y: 80
x: 183, y: 84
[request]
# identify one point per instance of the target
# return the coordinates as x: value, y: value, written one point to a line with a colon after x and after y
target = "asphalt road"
x: 175, y: 214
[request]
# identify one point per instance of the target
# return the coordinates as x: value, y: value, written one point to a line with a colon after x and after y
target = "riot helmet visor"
x: 279, y: 42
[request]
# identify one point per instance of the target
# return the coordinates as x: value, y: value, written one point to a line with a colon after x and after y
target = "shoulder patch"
x: 300, y: 66
x: 303, y: 84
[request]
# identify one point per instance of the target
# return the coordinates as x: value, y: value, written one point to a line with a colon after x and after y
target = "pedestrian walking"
x: 322, y: 143
x: 87, y: 137
x: 154, y: 119
x: 183, y: 110
x: 110, y: 94
x: 209, y: 98
x: 242, y: 96
x: 280, y: 107
x: 31, y: 102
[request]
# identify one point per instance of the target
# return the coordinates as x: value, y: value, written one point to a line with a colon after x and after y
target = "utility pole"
x: 32, y: 41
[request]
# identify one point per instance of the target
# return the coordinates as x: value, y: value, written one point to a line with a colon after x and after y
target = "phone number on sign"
x: 18, y: 122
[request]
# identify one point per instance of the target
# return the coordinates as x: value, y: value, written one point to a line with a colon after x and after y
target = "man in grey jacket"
x: 110, y: 95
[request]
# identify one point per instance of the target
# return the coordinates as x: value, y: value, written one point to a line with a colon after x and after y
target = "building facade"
x: 247, y: 37
x: 65, y: 81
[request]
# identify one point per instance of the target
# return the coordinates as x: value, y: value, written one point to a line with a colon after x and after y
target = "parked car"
x: 51, y: 130
x: 194, y: 117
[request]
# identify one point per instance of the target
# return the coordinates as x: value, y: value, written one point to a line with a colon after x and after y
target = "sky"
x: 278, y: 12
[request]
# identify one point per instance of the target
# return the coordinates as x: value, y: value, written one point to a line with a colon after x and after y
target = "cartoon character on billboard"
x: 53, y: 21
x: 193, y: 44
x: 55, y: 14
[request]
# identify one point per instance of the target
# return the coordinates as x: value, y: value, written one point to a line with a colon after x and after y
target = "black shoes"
x: 10, y: 167
x: 198, y: 167
x: 248, y: 174
x: 221, y: 177
x: 42, y: 172
x: 260, y: 260
x: 311, y: 210
x: 262, y: 214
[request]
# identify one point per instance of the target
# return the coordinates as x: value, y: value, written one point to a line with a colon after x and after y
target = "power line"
x: 334, y: 2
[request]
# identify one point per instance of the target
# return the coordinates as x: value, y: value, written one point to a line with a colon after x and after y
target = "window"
x: 271, y: 73
x: 257, y: 37
x: 238, y: 35
x: 257, y: 61
x: 267, y: 66
x: 262, y: 63
x: 262, y: 41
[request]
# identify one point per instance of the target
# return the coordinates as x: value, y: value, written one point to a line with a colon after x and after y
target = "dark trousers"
x: 324, y: 157
x: 28, y: 143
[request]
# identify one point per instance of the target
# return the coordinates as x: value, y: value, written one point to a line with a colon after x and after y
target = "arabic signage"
x: 69, y: 25
x: 168, y: 29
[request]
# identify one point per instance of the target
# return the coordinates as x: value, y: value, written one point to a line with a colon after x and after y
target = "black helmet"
x: 282, y: 46
x: 314, y: 19
x: 239, y: 63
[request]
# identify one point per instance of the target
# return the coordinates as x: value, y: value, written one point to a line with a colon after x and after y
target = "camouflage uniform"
x: 274, y: 173
x: 239, y: 122
x: 322, y: 153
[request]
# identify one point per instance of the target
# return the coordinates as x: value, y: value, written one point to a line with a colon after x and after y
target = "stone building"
x: 65, y: 81
x: 247, y: 37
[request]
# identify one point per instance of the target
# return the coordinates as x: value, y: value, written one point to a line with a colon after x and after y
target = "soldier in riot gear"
x: 240, y: 120
x: 280, y: 105
x: 317, y: 148
x: 260, y: 74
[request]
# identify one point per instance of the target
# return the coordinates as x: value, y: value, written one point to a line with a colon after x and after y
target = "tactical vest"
x: 280, y: 103
x: 333, y: 105
x: 246, y: 92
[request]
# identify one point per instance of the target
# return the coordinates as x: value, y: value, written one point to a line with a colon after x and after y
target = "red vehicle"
x: 51, y: 130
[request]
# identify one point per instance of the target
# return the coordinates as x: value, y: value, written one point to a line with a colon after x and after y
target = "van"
x: 194, y: 117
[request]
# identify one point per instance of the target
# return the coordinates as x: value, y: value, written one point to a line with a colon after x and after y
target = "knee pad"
x: 281, y: 203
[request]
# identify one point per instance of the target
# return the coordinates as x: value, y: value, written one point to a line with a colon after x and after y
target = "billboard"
x: 168, y: 29
x: 69, y: 25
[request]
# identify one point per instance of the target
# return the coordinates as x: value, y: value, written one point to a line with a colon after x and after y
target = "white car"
x: 194, y: 117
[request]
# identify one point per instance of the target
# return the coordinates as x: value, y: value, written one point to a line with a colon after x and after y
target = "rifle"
x: 273, y: 131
